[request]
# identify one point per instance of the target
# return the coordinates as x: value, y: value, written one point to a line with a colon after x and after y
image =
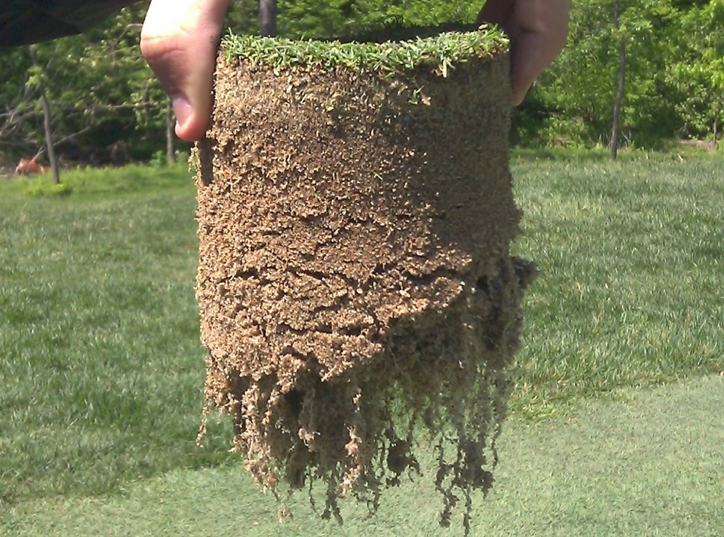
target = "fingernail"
x: 182, y: 110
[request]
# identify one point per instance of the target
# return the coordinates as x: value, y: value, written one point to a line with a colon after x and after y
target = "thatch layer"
x: 355, y: 278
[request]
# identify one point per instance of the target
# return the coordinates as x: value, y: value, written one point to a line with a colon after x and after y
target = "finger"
x: 496, y: 12
x: 179, y: 41
x: 541, y: 27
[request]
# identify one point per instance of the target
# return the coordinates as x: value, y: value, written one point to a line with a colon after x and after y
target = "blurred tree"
x: 16, y: 101
x: 38, y: 81
x: 105, y: 103
x: 99, y: 88
x: 699, y: 73
x: 268, y: 17
x: 613, y: 70
x: 618, y: 34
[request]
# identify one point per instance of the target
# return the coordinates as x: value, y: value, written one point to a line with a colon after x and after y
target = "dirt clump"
x: 355, y: 280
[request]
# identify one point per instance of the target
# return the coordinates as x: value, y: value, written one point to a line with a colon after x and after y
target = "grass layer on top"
x: 387, y: 53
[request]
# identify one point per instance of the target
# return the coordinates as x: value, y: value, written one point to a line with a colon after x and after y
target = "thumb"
x: 179, y: 41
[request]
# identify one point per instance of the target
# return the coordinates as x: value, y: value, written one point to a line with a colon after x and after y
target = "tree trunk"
x: 268, y: 17
x: 715, y: 130
x: 170, y: 127
x: 46, y: 121
x: 621, y: 80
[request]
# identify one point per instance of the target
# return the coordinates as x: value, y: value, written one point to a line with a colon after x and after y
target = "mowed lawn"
x: 101, y: 370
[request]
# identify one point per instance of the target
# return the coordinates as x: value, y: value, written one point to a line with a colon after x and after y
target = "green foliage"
x: 578, y: 91
x: 673, y: 83
x: 101, y: 90
x: 301, y: 19
x: 699, y: 77
x: 104, y: 84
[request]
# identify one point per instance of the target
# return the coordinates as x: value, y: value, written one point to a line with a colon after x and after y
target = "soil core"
x: 355, y: 280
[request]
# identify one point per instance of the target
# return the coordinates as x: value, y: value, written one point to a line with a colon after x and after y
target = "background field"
x: 101, y: 369
x: 649, y: 465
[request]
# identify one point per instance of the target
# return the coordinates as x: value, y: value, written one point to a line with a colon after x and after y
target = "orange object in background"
x: 29, y: 167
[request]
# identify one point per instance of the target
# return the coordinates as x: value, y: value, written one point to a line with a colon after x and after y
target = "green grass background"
x: 101, y: 370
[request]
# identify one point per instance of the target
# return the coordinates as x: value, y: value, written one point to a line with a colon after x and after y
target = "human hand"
x: 537, y: 30
x: 179, y: 41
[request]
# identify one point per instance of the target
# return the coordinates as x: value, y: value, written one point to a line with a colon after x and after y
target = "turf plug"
x: 355, y: 214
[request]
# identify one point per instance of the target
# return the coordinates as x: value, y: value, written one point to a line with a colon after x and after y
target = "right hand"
x: 537, y: 30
